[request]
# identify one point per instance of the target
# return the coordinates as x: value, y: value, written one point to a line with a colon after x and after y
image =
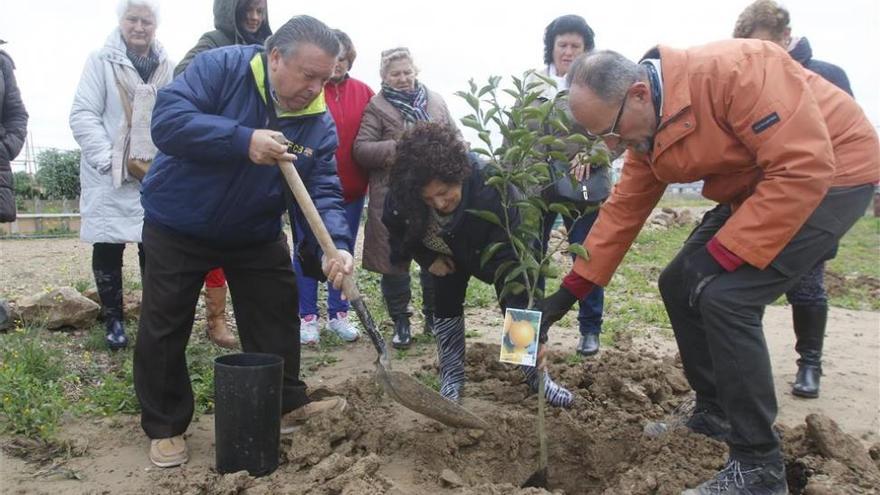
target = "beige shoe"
x: 168, y: 452
x: 294, y: 418
x: 215, y: 309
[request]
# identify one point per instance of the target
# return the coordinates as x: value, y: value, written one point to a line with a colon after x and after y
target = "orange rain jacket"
x: 764, y: 134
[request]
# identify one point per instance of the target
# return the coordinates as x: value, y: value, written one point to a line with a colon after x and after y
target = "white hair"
x: 124, y: 5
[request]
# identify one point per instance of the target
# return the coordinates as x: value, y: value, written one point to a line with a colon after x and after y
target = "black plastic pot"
x: 247, y: 412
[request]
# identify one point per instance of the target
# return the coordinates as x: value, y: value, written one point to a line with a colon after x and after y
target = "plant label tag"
x: 519, y: 336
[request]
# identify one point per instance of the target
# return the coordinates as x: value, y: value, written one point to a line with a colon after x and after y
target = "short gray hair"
x: 607, y: 73
x: 392, y: 55
x: 303, y: 29
x: 123, y: 6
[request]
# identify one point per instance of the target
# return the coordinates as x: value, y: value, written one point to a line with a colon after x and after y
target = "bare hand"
x: 580, y: 168
x: 442, y: 266
x: 265, y: 148
x: 336, y: 269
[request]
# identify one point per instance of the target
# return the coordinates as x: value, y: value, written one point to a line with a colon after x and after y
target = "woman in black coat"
x: 434, y: 182
x: 13, y: 129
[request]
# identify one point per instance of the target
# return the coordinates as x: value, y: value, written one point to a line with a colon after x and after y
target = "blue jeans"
x: 308, y: 287
x: 590, y: 309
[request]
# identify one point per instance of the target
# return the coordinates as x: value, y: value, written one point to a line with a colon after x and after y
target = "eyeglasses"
x: 612, y: 132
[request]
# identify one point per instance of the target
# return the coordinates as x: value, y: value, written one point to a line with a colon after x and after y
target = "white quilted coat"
x: 109, y: 214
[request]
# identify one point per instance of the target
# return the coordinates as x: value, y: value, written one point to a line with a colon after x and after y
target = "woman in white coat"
x: 110, y: 121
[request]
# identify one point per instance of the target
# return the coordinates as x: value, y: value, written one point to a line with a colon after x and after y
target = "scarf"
x: 145, y: 66
x: 138, y: 98
x: 413, y: 105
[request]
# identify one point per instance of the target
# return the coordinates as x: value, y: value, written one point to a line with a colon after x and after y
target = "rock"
x: 678, y: 382
x: 685, y: 218
x: 131, y: 301
x: 61, y: 307
x: 833, y: 443
x: 450, y: 479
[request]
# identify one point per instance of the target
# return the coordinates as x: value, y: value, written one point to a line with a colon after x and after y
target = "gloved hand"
x: 699, y: 269
x: 553, y: 308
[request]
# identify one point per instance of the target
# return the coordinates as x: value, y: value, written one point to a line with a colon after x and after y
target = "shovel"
x: 538, y: 479
x: 403, y: 388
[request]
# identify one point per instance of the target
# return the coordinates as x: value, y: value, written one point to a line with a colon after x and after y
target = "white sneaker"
x: 343, y: 327
x: 309, y: 333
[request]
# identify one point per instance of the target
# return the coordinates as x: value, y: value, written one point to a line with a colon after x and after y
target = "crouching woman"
x: 434, y: 182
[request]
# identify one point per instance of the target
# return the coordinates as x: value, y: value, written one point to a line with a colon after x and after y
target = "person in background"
x: 215, y: 197
x: 402, y: 102
x: 565, y: 39
x: 346, y: 98
x: 435, y: 182
x: 13, y: 130
x: 767, y: 20
x: 237, y: 22
x: 131, y: 62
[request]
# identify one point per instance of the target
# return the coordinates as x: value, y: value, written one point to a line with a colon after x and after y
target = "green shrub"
x: 58, y: 173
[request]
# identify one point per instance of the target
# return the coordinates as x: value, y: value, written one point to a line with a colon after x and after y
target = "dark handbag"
x: 565, y: 189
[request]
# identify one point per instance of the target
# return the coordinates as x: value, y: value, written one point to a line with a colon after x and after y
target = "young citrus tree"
x: 524, y: 143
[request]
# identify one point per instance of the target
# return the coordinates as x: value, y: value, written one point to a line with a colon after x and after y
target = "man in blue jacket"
x: 213, y: 198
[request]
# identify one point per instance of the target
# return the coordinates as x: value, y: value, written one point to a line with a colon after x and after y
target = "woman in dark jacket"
x: 238, y: 22
x: 434, y: 182
x: 13, y: 129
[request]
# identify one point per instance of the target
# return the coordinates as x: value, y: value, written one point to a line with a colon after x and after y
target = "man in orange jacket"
x: 790, y: 159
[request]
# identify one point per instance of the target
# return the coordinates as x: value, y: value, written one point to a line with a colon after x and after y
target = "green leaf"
x: 560, y: 208
x: 489, y: 252
x: 511, y: 288
x: 472, y: 122
x: 473, y: 85
x: 481, y: 151
x: 579, y: 139
x: 502, y: 269
x: 579, y: 250
x: 489, y: 114
x: 495, y: 181
x: 487, y: 216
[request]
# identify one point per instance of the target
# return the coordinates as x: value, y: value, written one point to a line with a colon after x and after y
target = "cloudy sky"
x: 452, y: 40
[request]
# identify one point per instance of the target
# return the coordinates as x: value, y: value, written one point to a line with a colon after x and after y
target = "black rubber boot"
x: 402, y: 333
x: 809, y: 328
x: 115, y: 336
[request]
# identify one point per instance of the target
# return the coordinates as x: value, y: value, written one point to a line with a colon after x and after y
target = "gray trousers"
x: 721, y: 339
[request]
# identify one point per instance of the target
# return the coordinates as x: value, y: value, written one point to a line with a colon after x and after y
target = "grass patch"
x: 31, y: 376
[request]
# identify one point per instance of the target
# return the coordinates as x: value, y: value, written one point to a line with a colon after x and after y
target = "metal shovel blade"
x: 407, y: 390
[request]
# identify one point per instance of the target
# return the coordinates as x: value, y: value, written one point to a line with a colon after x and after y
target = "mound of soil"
x: 597, y: 447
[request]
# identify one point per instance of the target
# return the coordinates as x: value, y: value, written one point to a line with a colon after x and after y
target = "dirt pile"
x: 597, y: 447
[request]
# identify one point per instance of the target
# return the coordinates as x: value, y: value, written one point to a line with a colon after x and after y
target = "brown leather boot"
x: 215, y: 314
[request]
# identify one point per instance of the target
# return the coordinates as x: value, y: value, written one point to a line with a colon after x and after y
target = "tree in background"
x: 58, y: 173
x: 25, y: 186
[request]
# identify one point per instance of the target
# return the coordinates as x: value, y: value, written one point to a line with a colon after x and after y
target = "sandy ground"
x: 380, y: 447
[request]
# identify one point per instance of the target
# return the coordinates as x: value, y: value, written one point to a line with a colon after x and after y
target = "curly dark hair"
x: 425, y: 152
x: 564, y: 25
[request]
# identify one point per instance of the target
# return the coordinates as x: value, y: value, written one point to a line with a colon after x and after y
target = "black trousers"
x: 263, y: 286
x: 450, y: 291
x: 721, y: 340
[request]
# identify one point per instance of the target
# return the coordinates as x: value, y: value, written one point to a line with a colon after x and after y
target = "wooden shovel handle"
x: 307, y: 207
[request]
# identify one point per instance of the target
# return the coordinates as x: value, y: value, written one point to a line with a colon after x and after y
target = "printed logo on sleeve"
x: 766, y: 123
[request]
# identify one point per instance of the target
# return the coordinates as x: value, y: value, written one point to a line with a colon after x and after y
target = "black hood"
x: 224, y: 20
x: 802, y: 52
